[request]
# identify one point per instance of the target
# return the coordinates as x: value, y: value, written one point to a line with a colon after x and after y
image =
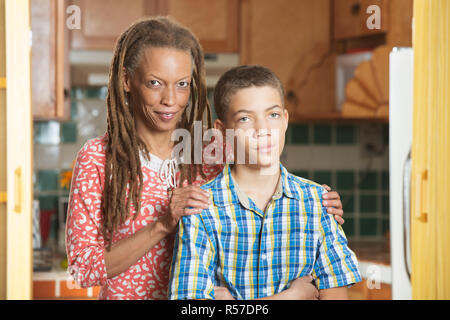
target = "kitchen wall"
x: 55, y: 148
x: 333, y: 154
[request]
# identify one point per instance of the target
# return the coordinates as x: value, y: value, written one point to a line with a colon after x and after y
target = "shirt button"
x: 264, y: 256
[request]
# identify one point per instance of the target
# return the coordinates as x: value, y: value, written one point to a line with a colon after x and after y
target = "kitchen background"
x: 333, y: 138
x: 331, y: 55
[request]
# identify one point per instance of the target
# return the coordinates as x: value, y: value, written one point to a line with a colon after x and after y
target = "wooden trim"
x: 19, y: 253
x: 59, y: 7
x: 2, y: 154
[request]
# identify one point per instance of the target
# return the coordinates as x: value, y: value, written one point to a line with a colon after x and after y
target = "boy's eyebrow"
x: 249, y: 111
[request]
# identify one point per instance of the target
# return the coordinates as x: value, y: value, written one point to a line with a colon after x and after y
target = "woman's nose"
x: 168, y: 96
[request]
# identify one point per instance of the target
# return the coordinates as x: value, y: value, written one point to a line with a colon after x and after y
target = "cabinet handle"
x: 421, y: 212
x: 18, y: 190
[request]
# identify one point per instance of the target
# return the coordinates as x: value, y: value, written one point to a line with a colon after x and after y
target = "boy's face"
x: 259, y: 122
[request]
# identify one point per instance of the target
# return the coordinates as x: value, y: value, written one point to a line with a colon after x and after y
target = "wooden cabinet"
x: 215, y: 23
x: 430, y: 219
x: 292, y: 38
x: 103, y: 21
x: 50, y: 62
x: 351, y: 18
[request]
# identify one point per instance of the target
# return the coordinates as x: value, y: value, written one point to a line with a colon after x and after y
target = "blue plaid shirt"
x: 256, y: 254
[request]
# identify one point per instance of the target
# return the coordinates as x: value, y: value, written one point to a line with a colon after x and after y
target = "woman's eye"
x: 183, y: 84
x: 154, y: 83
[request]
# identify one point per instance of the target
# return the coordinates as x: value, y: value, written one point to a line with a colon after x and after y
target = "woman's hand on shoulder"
x: 332, y: 201
x: 184, y: 201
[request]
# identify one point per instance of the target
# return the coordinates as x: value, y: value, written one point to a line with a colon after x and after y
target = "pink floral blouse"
x: 148, y: 277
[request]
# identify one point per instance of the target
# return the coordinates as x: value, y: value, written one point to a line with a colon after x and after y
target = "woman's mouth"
x: 165, y: 116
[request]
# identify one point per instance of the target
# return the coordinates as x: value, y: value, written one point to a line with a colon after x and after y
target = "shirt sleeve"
x: 336, y: 265
x: 192, y: 269
x: 84, y: 243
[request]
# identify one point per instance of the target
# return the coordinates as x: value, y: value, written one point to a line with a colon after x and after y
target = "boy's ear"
x: 126, y: 80
x: 286, y: 119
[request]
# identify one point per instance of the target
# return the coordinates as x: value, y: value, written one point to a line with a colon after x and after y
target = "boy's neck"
x: 257, y: 183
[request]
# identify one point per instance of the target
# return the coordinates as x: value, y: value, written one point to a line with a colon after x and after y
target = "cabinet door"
x: 350, y: 18
x: 49, y: 60
x: 18, y: 150
x: 103, y: 21
x: 292, y: 38
x: 215, y: 23
x: 430, y: 222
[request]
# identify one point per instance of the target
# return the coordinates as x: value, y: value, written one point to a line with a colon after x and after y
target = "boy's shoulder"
x: 302, y: 183
x: 215, y: 180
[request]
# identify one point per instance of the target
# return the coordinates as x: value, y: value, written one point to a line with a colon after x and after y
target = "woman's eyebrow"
x: 159, y: 78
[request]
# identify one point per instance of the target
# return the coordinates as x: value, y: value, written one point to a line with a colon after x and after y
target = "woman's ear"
x: 219, y: 125
x: 126, y: 80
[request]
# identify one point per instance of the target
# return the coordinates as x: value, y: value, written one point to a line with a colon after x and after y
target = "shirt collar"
x: 226, y: 190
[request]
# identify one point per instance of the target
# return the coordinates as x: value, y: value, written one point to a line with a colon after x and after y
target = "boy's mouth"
x: 264, y: 149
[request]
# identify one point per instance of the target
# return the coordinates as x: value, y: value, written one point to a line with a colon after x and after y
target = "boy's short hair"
x: 243, y: 77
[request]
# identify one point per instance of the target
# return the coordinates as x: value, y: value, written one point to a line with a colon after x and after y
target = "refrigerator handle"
x: 407, y: 214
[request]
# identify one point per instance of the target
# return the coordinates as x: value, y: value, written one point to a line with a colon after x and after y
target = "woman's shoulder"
x: 94, y: 149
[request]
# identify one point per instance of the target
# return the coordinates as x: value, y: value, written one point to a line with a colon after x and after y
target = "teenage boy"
x: 265, y: 227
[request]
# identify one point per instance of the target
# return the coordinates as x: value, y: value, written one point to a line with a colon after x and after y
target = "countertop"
x: 377, y: 252
x: 374, y: 259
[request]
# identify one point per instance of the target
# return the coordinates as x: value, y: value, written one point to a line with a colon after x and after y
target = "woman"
x: 119, y: 232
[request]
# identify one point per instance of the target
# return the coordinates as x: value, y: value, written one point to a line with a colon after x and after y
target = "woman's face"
x: 160, y: 88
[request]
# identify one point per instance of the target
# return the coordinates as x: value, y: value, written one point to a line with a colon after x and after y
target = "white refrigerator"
x: 400, y: 138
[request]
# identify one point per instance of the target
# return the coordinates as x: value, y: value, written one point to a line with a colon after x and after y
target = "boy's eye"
x: 274, y: 115
x: 244, y: 119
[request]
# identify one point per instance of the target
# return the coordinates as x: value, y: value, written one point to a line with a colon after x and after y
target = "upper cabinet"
x: 49, y: 60
x: 293, y: 39
x: 102, y: 21
x: 357, y: 18
x: 215, y: 23
x: 301, y: 39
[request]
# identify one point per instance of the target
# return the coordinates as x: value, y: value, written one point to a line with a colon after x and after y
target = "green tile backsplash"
x: 322, y: 134
x: 345, y: 180
x: 48, y: 202
x: 345, y: 134
x: 300, y: 134
x: 47, y: 180
x: 368, y: 203
x: 302, y: 174
x: 349, y: 226
x: 368, y: 180
x: 364, y: 194
x: 368, y: 226
x: 68, y: 132
x: 348, y: 203
x: 323, y: 177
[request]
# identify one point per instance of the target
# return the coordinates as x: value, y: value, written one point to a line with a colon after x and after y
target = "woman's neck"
x: 157, y: 142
